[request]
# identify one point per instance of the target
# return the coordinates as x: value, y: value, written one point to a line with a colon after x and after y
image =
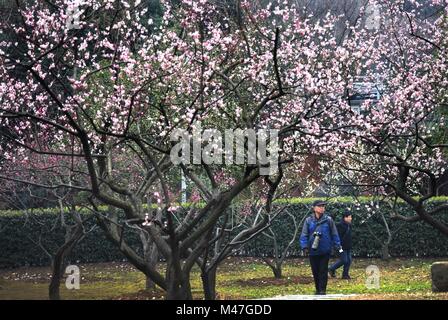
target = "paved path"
x: 311, y: 297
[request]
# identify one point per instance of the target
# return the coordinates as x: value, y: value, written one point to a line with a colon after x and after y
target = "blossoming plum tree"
x: 109, y: 92
x: 398, y: 150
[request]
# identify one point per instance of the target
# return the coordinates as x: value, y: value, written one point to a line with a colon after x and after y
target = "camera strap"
x: 317, y: 228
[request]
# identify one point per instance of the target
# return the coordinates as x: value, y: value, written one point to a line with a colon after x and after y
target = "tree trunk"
x: 178, y: 284
x: 385, y: 246
x: 209, y: 283
x: 58, y: 265
x: 152, y: 257
x: 55, y: 281
x: 277, y: 271
x: 178, y: 288
x: 385, y: 252
x: 275, y: 265
x: 150, y: 285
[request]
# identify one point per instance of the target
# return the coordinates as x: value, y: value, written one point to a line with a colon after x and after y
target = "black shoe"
x: 346, y: 277
x: 322, y: 293
x: 332, y: 273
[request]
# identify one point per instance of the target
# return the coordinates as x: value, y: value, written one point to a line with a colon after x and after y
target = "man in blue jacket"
x: 345, y: 233
x: 319, y: 235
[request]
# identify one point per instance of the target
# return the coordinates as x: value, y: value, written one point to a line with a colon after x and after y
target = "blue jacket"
x: 329, y: 238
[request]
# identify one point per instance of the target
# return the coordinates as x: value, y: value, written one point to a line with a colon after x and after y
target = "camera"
x: 316, y: 240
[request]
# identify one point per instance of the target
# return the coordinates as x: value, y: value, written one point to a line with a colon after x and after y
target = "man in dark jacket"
x: 319, y: 234
x: 345, y: 234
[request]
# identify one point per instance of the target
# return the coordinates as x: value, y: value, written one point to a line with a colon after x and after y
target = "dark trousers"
x: 319, y: 267
x: 344, y: 260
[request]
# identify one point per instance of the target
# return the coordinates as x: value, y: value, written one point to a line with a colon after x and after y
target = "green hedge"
x: 411, y: 239
x: 19, y: 235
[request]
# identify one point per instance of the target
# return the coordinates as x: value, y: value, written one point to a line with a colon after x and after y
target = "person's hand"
x: 305, y: 252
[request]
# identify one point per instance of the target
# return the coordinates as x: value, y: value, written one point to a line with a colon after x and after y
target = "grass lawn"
x: 238, y: 278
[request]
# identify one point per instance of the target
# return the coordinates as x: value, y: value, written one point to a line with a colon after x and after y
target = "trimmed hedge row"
x: 369, y: 232
x: 21, y: 238
x: 20, y: 235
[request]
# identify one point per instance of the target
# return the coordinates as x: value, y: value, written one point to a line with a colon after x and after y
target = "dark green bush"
x: 19, y: 238
x: 410, y: 239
